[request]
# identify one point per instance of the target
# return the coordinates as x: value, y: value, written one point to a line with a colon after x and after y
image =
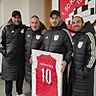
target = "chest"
x: 79, y: 44
x: 54, y: 38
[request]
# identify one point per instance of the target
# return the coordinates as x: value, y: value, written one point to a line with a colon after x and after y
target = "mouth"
x: 76, y: 26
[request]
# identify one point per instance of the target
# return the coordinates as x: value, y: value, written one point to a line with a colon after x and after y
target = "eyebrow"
x: 76, y: 21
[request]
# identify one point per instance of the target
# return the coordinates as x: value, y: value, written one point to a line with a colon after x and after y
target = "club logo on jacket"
x: 22, y: 31
x: 72, y: 43
x: 38, y: 37
x: 12, y: 31
x: 80, y: 44
x: 56, y: 37
x: 46, y: 37
x: 28, y: 35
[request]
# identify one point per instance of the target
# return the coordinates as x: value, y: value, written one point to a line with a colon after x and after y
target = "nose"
x: 75, y: 23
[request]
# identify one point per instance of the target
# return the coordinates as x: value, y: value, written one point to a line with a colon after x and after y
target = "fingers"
x: 63, y: 66
x: 30, y: 61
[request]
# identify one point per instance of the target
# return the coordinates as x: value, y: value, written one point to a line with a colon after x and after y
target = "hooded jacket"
x: 12, y: 47
x: 33, y: 40
x: 84, y: 57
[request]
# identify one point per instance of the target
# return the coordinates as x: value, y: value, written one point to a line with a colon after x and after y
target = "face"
x: 77, y: 24
x: 54, y: 20
x: 16, y: 20
x: 34, y: 23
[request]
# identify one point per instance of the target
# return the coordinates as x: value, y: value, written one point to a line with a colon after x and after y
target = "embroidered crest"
x: 12, y: 31
x: 56, y: 37
x: 80, y: 44
x: 28, y: 35
x: 46, y: 37
x: 38, y: 37
x: 22, y: 31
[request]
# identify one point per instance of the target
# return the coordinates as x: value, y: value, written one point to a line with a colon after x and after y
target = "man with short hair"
x: 12, y: 47
x: 57, y: 40
x: 84, y: 58
x: 33, y: 40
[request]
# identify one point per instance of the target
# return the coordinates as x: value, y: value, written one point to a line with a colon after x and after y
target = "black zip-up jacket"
x: 33, y: 40
x: 84, y: 50
x: 57, y: 40
x: 12, y: 43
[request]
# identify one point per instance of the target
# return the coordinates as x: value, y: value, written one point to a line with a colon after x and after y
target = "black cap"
x: 16, y: 13
x: 55, y: 12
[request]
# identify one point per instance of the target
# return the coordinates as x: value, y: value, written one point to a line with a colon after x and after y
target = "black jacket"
x: 57, y: 40
x: 33, y: 40
x: 12, y: 47
x: 83, y: 61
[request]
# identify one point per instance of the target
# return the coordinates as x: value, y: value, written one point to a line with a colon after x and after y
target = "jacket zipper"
x: 50, y: 39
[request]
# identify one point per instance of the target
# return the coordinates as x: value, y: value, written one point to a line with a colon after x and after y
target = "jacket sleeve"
x: 2, y: 41
x: 68, y: 45
x: 91, y: 53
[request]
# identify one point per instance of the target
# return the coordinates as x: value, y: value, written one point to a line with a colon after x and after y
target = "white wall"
x: 0, y: 14
x: 36, y: 7
x: 8, y: 6
x: 26, y: 7
x: 55, y: 4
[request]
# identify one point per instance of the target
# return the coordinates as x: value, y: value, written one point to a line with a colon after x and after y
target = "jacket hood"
x: 88, y: 28
x: 42, y: 26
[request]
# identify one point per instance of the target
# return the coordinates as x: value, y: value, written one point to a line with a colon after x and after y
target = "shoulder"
x: 90, y: 36
x: 28, y: 30
x: 5, y: 26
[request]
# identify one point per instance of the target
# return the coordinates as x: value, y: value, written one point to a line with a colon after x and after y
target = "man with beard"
x: 12, y: 45
x: 84, y: 57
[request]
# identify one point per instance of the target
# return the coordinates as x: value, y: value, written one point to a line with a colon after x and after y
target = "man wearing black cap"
x: 57, y: 40
x: 12, y: 48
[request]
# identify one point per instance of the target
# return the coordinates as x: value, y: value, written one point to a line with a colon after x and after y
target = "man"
x: 84, y: 57
x: 12, y: 45
x: 33, y: 38
x: 57, y: 40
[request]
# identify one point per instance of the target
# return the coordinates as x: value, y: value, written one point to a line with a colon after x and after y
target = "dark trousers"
x: 64, y: 83
x: 9, y: 87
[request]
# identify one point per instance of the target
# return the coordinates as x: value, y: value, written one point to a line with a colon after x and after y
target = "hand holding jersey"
x: 63, y: 66
x: 30, y: 60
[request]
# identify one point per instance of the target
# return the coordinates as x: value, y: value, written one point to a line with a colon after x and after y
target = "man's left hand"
x: 63, y: 66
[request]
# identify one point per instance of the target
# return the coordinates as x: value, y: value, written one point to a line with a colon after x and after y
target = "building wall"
x: 36, y: 7
x: 0, y: 14
x: 26, y: 7
x: 55, y: 4
x: 8, y: 6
